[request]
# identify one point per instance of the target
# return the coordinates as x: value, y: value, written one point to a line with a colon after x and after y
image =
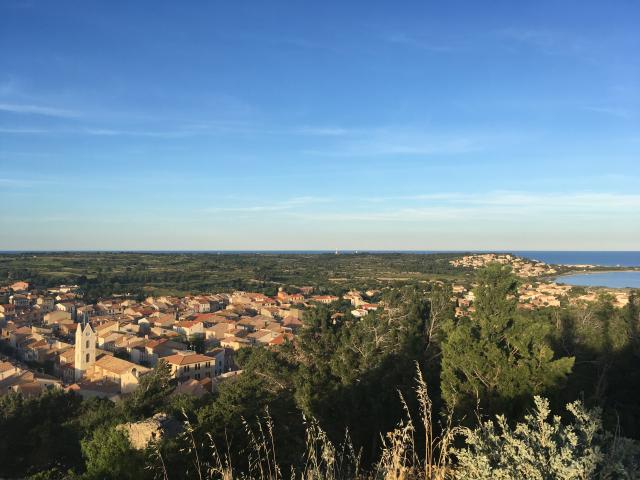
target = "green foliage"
x: 109, y: 456
x: 151, y: 394
x: 350, y: 370
x: 94, y: 413
x: 55, y: 474
x: 606, y: 344
x: 343, y: 372
x: 542, y: 447
x: 245, y: 399
x: 35, y: 434
x: 179, y: 405
x: 103, y: 274
x: 196, y: 343
x: 498, y: 359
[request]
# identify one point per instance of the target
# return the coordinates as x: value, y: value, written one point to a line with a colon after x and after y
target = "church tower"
x: 85, y: 354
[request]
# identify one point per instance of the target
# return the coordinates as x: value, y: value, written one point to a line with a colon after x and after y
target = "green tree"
x: 497, y: 359
x: 632, y: 319
x: 196, y: 343
x: 94, y: 413
x: 151, y: 394
x: 109, y: 455
x: 35, y: 433
x: 264, y: 383
x: 350, y: 370
x: 441, y: 309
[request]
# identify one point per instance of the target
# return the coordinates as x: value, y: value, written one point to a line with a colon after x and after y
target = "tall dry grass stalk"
x: 400, y: 460
x: 540, y: 447
x: 322, y: 460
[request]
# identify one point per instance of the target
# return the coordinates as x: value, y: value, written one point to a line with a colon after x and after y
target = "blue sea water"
x: 603, y: 279
x: 604, y: 259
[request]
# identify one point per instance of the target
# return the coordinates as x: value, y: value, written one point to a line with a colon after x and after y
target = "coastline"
x: 596, y: 272
x: 558, y: 279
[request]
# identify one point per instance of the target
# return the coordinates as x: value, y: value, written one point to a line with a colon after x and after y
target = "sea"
x: 602, y: 279
x: 598, y: 258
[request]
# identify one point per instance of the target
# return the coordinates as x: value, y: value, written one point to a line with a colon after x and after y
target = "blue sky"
x: 319, y: 125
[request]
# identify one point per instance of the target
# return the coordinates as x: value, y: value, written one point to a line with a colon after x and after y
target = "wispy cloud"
x: 248, y: 209
x: 287, y: 204
x: 614, y: 111
x: 408, y: 141
x: 37, y: 110
x: 549, y: 42
x: 557, y: 201
x: 562, y: 201
x: 187, y: 130
x: 533, y: 37
x: 497, y: 206
x: 23, y: 131
x: 107, y: 132
x: 22, y: 182
x: 323, y: 131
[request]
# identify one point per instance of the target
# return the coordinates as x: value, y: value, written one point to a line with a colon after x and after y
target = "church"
x: 94, y: 367
x: 85, y: 352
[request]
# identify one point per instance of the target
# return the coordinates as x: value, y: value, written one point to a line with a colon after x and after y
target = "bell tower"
x: 85, y: 354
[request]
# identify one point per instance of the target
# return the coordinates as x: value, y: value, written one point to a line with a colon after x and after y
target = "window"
x: 197, y: 376
x: 197, y: 366
x: 87, y: 358
x: 87, y: 343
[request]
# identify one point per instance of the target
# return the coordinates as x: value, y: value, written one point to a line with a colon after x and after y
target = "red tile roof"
x: 179, y: 359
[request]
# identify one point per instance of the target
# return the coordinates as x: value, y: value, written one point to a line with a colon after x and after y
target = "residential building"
x: 190, y: 365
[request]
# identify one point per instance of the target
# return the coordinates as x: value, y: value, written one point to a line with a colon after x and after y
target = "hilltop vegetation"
x: 103, y: 274
x: 409, y: 392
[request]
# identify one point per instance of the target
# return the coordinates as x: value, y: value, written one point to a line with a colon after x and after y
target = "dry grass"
x: 400, y: 460
x: 322, y: 460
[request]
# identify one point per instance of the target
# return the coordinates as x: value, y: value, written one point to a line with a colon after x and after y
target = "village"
x: 520, y: 266
x: 52, y: 339
x: 535, y: 290
x: 540, y: 294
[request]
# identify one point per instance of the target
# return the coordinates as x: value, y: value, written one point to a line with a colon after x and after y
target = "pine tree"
x: 498, y: 359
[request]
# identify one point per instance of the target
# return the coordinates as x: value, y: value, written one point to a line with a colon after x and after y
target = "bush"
x: 542, y: 447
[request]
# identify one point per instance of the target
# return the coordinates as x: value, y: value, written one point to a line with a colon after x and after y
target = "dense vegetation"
x: 292, y: 407
x: 103, y: 274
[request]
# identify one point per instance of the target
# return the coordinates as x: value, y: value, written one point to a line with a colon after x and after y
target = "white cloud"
x: 37, y: 110
x: 553, y: 42
x: 614, y: 111
x: 288, y: 204
x: 25, y: 131
x: 407, y: 141
x: 22, y: 182
x: 323, y: 131
x: 501, y: 206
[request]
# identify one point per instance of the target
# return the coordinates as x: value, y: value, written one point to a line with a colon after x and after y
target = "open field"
x: 179, y: 273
